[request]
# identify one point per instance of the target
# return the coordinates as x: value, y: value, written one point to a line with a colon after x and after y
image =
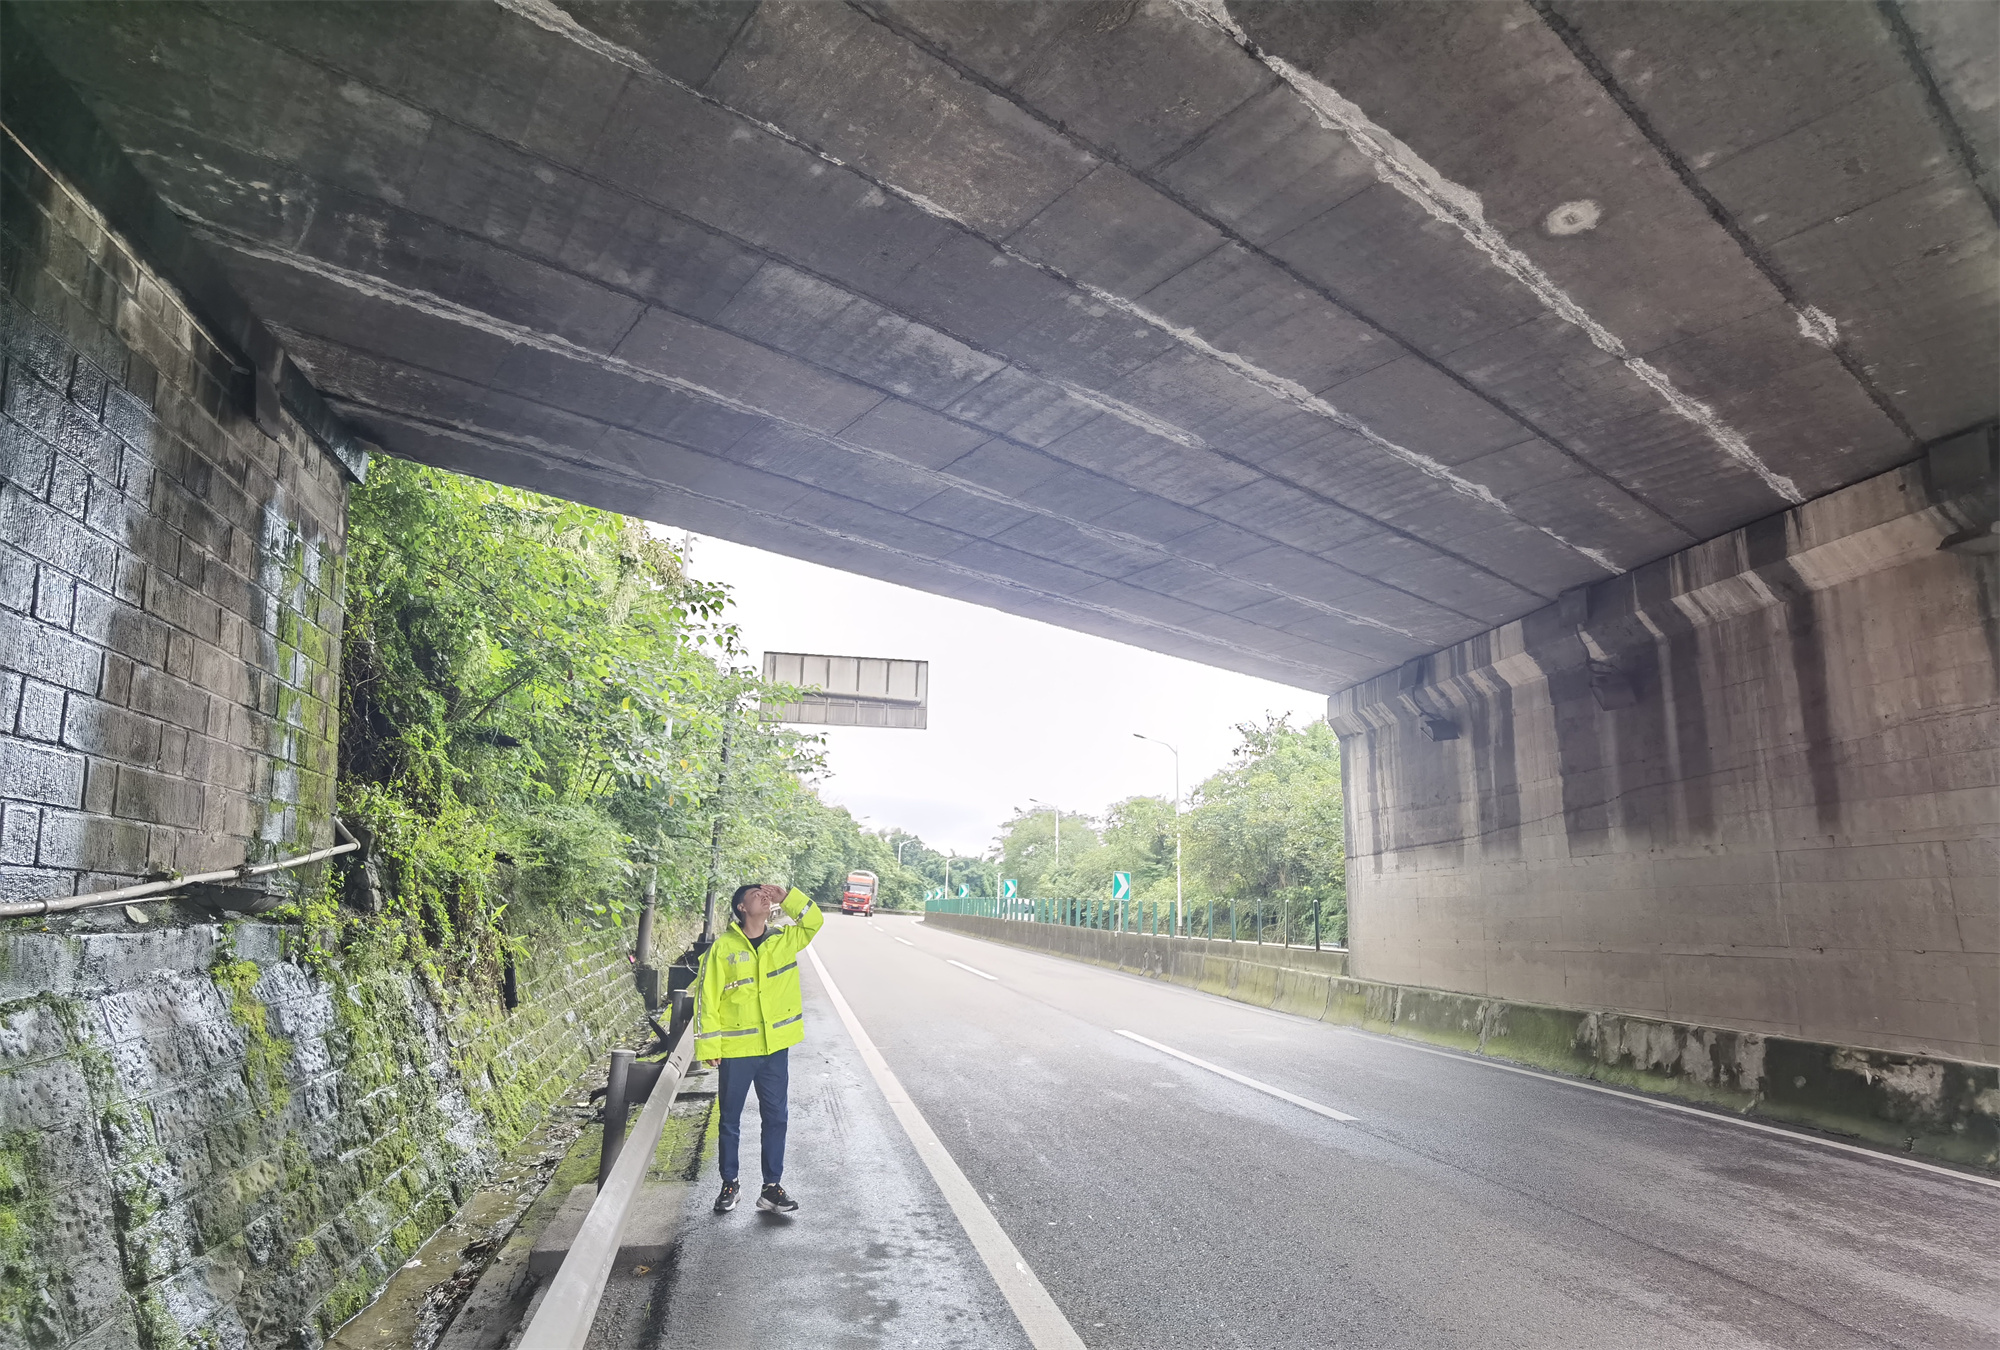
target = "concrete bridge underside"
x: 1596, y: 400
x: 1298, y: 339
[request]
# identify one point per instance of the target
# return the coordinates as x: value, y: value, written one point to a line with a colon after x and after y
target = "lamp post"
x: 1056, y: 865
x: 1177, y: 826
x: 901, y: 844
x: 1056, y: 811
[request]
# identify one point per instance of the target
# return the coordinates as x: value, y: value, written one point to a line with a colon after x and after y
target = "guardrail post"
x: 616, y: 1108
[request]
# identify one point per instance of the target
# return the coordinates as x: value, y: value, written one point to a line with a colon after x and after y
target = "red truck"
x: 859, y: 897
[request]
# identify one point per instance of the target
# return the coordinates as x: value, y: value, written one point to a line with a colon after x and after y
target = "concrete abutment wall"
x: 1755, y: 785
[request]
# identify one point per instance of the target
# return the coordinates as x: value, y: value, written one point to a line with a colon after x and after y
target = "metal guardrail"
x: 1143, y: 918
x: 570, y: 1307
x: 58, y: 904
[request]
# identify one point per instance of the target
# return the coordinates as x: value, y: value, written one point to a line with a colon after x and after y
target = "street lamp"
x: 900, y: 845
x: 1057, y: 812
x: 1177, y: 826
x: 1056, y: 865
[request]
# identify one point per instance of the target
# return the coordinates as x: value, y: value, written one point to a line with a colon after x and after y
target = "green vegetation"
x: 23, y: 1211
x: 264, y: 1054
x: 535, y: 700
x: 1264, y: 836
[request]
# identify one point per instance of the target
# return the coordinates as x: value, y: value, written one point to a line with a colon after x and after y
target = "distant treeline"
x: 1264, y: 835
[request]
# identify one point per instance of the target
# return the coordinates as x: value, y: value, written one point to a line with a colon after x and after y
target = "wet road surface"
x: 1162, y: 1203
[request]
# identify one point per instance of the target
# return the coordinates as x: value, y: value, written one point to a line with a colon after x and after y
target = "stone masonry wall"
x: 204, y: 1144
x: 1753, y: 786
x: 170, y: 576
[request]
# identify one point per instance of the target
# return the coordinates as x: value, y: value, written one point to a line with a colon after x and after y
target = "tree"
x: 535, y: 696
x: 1026, y: 851
x: 1268, y: 829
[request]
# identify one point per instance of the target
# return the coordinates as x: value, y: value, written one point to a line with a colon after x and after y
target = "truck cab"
x: 858, y: 897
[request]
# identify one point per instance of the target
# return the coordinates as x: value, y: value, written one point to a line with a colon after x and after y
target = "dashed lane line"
x: 1039, y: 1316
x: 1244, y: 1079
x: 1713, y: 1116
x: 975, y: 970
x: 906, y: 942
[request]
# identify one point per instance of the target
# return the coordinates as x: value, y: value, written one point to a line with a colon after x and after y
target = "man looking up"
x: 747, y: 1016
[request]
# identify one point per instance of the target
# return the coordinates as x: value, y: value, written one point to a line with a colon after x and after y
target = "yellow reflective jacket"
x: 747, y: 1001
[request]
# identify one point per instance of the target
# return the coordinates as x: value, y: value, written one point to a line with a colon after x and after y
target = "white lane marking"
x: 1246, y: 1081
x: 1039, y: 1316
x: 962, y: 966
x: 906, y: 942
x: 1796, y: 1136
x: 1385, y: 1038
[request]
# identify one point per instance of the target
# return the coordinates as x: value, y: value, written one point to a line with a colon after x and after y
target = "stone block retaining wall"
x: 205, y: 1144
x: 170, y: 574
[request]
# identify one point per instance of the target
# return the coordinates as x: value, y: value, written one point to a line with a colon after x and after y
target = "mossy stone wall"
x: 205, y: 1144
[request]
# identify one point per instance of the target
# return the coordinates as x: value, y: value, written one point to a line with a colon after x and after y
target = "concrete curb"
x: 650, y: 1232
x: 1944, y: 1109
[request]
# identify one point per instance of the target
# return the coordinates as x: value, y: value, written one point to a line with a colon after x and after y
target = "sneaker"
x: 774, y: 1200
x: 727, y: 1200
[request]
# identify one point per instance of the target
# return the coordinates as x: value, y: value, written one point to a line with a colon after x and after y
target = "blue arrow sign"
x: 1121, y: 885
x: 962, y: 892
x: 1008, y: 889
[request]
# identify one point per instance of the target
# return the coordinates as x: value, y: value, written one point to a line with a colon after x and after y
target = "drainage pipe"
x: 58, y: 904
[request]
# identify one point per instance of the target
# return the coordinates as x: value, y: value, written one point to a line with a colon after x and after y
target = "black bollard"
x: 615, y: 1110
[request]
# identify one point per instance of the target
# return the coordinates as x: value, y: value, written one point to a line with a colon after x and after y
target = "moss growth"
x: 264, y: 1055
x: 23, y: 1211
x: 158, y: 1329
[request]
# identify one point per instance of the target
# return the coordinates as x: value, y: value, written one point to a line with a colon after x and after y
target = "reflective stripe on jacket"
x: 747, y: 1000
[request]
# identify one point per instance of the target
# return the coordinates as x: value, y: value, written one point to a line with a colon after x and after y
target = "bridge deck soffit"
x: 1300, y: 339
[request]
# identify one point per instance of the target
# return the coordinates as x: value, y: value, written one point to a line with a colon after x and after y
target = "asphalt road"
x: 1162, y: 1204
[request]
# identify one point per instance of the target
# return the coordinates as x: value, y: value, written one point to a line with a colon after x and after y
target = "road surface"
x: 1161, y: 1203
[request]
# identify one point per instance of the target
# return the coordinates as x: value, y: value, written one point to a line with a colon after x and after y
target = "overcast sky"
x: 1041, y: 712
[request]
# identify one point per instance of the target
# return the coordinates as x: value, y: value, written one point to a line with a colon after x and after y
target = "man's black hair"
x: 736, y: 900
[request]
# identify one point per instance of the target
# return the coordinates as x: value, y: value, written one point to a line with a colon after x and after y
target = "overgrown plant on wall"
x: 535, y: 700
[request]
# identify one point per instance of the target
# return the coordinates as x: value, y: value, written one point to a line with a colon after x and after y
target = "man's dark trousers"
x: 772, y: 1075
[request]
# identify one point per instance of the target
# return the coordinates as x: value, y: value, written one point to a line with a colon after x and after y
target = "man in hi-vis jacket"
x: 747, y: 1016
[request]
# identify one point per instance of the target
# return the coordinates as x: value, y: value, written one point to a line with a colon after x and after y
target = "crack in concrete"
x: 437, y: 307
x: 625, y: 57
x: 1458, y: 206
x: 549, y: 16
x: 1815, y: 325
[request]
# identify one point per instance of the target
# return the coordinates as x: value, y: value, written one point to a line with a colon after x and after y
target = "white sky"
x: 1046, y: 713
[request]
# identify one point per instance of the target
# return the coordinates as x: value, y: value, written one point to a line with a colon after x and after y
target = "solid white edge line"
x: 1715, y: 1117
x: 1038, y: 1314
x: 962, y: 966
x: 1246, y: 1081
